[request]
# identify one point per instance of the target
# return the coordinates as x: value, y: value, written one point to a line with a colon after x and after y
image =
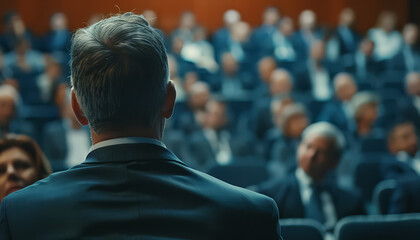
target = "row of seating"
x: 388, y: 227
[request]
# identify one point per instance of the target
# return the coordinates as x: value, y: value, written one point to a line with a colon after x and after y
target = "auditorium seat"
x: 297, y: 229
x: 384, y: 227
x: 367, y: 175
x: 382, y: 195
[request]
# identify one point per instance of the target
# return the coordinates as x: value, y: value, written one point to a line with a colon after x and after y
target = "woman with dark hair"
x: 21, y: 163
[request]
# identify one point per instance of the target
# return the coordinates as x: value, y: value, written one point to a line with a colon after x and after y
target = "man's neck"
x: 128, y: 132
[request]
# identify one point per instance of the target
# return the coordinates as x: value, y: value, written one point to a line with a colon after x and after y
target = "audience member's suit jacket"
x: 406, y: 197
x: 303, y: 83
x: 333, y: 112
x: 399, y: 62
x: 286, y: 193
x: 408, y: 112
x: 373, y: 68
x: 136, y: 191
x: 302, y: 46
x: 391, y: 168
x: 347, y: 47
x: 203, y: 156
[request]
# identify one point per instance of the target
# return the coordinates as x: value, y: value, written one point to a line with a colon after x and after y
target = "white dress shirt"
x: 328, y: 208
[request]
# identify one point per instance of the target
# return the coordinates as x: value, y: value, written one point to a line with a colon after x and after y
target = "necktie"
x: 314, y: 207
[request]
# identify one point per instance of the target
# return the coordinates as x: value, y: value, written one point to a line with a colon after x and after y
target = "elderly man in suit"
x: 309, y: 193
x: 130, y: 186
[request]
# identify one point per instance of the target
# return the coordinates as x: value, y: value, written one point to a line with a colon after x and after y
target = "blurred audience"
x: 21, y: 163
x: 282, y: 144
x: 403, y: 147
x: 387, y: 39
x: 308, y: 193
x: 339, y: 111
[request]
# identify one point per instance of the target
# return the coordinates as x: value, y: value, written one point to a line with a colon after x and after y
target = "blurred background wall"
x: 36, y: 14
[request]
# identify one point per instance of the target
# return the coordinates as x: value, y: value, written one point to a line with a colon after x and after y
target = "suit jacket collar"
x: 131, y: 152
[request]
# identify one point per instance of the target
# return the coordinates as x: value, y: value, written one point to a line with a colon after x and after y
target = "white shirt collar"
x: 126, y: 140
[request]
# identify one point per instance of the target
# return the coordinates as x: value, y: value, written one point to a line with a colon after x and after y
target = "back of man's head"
x: 119, y: 72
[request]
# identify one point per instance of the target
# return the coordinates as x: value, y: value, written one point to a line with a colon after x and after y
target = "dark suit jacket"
x: 408, y: 112
x: 136, y: 191
x: 406, y: 197
x: 391, y: 168
x: 333, y: 112
x: 286, y: 193
x: 398, y: 62
x: 343, y: 46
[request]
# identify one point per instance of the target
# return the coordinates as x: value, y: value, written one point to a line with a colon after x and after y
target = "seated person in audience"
x: 307, y: 35
x: 348, y: 38
x: 406, y: 196
x: 214, y: 144
x: 362, y: 65
x: 59, y: 37
x: 308, y: 193
x: 386, y: 37
x: 21, y: 163
x: 365, y: 114
x: 282, y: 148
x: 284, y: 50
x: 14, y: 29
x: 183, y: 65
x: 266, y: 66
x: 23, y: 58
x: 314, y: 75
x: 404, y: 160
x: 232, y: 83
x: 263, y: 35
x: 241, y: 47
x: 222, y: 37
x: 66, y: 142
x: 409, y: 107
x: 200, y: 51
x: 130, y: 185
x: 9, y: 119
x: 339, y: 110
x: 186, y: 28
x: 57, y: 42
x: 280, y: 85
x: 408, y: 58
x: 192, y: 119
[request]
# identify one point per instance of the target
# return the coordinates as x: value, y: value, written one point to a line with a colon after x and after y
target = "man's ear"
x: 169, y: 104
x: 77, y: 110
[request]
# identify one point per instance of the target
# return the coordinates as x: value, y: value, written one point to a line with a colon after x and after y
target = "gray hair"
x: 119, y: 72
x: 327, y: 130
x: 362, y: 99
x: 290, y: 111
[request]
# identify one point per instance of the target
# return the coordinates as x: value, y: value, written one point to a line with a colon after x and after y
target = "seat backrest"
x: 240, y: 174
x: 296, y: 229
x: 367, y: 175
x: 382, y: 195
x: 384, y: 227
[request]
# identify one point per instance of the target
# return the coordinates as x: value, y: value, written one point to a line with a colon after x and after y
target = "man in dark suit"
x: 130, y: 186
x: 362, y: 65
x: 339, y: 110
x: 403, y: 160
x: 409, y: 107
x: 348, y: 39
x: 307, y: 193
x: 408, y: 58
x: 406, y: 196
